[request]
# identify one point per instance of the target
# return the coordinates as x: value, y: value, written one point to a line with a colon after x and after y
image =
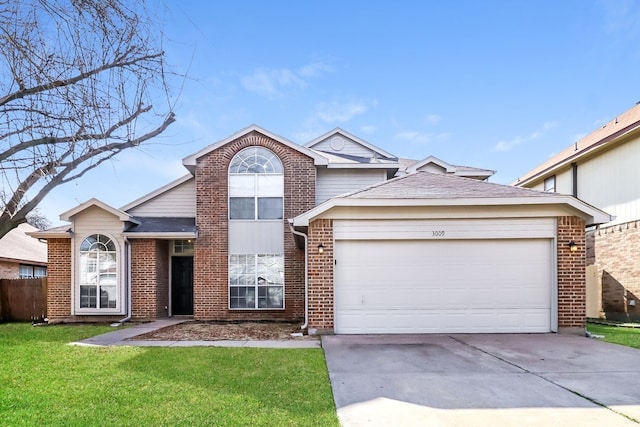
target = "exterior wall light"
x: 320, y: 248
x: 572, y: 246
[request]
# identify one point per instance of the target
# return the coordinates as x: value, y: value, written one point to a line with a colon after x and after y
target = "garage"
x: 429, y: 282
x: 429, y: 253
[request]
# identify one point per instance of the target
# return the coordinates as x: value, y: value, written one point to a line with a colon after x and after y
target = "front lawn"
x: 617, y: 334
x: 43, y: 381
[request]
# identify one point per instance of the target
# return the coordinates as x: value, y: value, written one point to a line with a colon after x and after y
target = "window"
x: 256, y: 185
x: 31, y: 272
x: 183, y: 247
x: 550, y: 184
x: 256, y: 281
x: 98, y: 277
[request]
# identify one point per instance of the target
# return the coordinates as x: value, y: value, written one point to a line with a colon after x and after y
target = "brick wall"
x: 9, y: 270
x: 150, y: 278
x: 211, y: 254
x: 320, y: 275
x: 617, y: 253
x: 59, y: 279
x: 162, y: 278
x: 571, y: 273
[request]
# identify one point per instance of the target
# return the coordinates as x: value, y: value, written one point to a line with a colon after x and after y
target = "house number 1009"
x: 437, y: 233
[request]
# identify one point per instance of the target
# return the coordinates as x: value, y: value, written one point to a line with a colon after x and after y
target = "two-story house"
x: 337, y: 234
x: 602, y: 169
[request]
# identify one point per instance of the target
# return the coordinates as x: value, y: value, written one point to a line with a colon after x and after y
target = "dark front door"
x: 181, y: 285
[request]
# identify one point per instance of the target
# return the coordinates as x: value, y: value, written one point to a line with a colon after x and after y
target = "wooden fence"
x: 23, y: 299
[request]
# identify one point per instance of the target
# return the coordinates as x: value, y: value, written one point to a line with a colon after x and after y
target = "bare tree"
x: 78, y: 83
x: 37, y: 219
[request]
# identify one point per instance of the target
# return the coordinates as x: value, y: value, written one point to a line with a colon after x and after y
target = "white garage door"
x: 443, y: 286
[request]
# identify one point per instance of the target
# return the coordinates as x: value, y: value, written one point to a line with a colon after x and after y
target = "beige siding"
x: 445, y: 229
x: 564, y: 182
x: 349, y: 147
x: 256, y: 237
x: 610, y: 182
x: 97, y: 221
x: 433, y: 168
x: 180, y: 201
x: 333, y: 182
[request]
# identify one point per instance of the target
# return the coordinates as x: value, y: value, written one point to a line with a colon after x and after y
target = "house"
x: 22, y: 257
x: 337, y: 233
x: 602, y: 170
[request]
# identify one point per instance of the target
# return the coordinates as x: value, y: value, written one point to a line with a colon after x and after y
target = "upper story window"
x: 550, y: 184
x: 98, y: 273
x: 256, y: 185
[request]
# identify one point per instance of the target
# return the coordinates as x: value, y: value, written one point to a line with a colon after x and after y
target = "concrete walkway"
x: 122, y: 337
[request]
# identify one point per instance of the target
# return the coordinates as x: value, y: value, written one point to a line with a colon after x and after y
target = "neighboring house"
x: 603, y: 170
x: 22, y: 257
x: 265, y: 229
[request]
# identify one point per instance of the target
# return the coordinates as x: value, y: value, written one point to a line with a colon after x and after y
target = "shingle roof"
x: 163, y: 225
x: 427, y: 185
x: 620, y: 125
x: 17, y: 245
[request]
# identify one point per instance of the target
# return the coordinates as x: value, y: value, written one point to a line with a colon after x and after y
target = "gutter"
x: 306, y: 275
x: 127, y: 249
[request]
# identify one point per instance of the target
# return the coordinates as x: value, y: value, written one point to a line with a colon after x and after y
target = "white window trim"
x: 75, y: 292
x: 255, y: 285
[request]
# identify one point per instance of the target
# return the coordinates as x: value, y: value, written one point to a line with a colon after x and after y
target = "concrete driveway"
x: 482, y: 380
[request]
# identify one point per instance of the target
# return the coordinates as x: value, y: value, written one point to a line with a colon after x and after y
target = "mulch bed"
x: 216, y: 331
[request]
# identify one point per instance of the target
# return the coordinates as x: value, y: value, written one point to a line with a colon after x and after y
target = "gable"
x: 177, y: 199
x: 190, y: 161
x: 342, y: 143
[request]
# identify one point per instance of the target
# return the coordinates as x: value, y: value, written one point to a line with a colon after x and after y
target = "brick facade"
x: 617, y: 251
x: 320, y: 275
x: 570, y: 274
x: 211, y: 246
x: 150, y: 278
x: 9, y: 270
x: 572, y: 288
x: 59, y: 279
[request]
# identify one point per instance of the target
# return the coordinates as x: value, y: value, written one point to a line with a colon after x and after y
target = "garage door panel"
x: 443, y: 286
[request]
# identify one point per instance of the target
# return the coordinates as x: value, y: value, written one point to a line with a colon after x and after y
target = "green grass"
x: 616, y: 334
x: 45, y: 382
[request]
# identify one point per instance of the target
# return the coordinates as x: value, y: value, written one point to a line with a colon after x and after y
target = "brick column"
x: 320, y: 276
x: 571, y: 276
x: 149, y: 278
x: 58, y: 279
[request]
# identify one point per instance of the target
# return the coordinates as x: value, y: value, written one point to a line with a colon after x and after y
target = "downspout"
x: 127, y: 250
x: 306, y: 277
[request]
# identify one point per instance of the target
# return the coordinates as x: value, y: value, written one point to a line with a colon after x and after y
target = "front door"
x: 182, y: 286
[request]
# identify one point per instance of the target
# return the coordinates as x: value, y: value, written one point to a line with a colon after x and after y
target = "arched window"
x: 98, y: 276
x: 256, y: 185
x: 256, y: 206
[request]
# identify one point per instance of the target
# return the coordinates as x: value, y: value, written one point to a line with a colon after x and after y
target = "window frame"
x: 255, y: 182
x: 550, y: 188
x: 35, y: 271
x: 253, y: 270
x: 93, y: 262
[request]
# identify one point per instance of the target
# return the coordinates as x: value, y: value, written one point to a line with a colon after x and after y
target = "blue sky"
x: 500, y: 85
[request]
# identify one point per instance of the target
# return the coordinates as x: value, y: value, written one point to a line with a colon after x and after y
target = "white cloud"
x: 272, y: 82
x: 315, y: 69
x: 433, y: 119
x: 339, y: 111
x: 368, y: 129
x: 507, y: 145
x: 417, y: 137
